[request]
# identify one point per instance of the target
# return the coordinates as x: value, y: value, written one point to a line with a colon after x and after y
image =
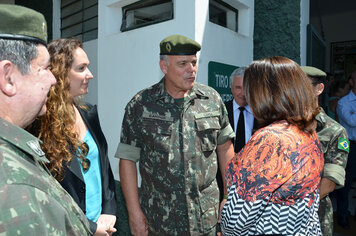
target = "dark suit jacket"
x: 230, y: 112
x: 73, y: 180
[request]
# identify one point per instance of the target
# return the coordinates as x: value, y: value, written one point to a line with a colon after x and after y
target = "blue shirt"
x: 92, y: 179
x: 346, y: 112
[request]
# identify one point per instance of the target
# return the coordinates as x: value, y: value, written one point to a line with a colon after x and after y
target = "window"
x: 147, y: 12
x: 223, y: 14
x: 79, y: 19
x: 343, y: 59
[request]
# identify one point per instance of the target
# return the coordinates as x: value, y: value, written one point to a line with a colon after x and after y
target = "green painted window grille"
x: 79, y: 19
x: 144, y: 13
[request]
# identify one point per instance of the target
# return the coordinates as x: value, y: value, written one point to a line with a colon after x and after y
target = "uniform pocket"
x: 209, y: 205
x: 157, y: 132
x: 208, y: 126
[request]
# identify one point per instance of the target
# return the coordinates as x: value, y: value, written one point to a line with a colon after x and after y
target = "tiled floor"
x: 338, y: 231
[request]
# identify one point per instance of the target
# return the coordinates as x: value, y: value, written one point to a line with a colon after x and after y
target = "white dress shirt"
x: 248, y: 119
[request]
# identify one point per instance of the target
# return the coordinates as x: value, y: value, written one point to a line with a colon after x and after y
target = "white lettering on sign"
x: 222, y: 81
x: 226, y: 97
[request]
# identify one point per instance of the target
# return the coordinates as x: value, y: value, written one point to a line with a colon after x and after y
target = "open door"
x: 316, y: 49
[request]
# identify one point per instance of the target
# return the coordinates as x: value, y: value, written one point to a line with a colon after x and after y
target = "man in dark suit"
x: 235, y: 106
x: 242, y: 124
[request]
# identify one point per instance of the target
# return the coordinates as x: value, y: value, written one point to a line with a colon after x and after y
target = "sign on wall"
x: 219, y: 78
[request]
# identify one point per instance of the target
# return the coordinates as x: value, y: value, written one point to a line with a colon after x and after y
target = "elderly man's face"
x: 238, y: 91
x: 180, y: 74
x: 34, y: 86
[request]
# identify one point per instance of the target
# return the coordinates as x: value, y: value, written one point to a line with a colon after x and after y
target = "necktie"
x: 240, y: 131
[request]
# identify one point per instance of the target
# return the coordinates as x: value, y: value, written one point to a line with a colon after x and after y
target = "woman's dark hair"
x: 276, y: 88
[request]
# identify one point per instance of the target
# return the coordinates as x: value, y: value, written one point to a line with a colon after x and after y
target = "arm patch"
x: 343, y: 144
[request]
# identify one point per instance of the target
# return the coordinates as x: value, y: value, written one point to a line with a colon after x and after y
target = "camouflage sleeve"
x: 226, y: 132
x: 128, y: 152
x: 336, y: 157
x: 26, y: 210
x: 127, y: 148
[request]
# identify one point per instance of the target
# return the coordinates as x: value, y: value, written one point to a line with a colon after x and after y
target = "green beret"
x: 178, y: 45
x: 313, y: 72
x: 17, y: 22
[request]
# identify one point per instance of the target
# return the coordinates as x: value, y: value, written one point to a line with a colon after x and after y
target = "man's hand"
x: 326, y: 187
x: 222, y: 204
x: 138, y: 224
x: 101, y: 230
x: 128, y: 176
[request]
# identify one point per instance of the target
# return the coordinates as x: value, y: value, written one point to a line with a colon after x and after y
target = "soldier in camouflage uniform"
x: 333, y: 138
x: 178, y: 130
x: 32, y: 202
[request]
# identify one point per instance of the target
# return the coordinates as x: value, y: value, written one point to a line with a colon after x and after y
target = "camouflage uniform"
x: 32, y: 202
x: 333, y: 138
x: 175, y: 142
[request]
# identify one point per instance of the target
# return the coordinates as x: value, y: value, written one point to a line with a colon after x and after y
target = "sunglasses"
x: 85, y: 161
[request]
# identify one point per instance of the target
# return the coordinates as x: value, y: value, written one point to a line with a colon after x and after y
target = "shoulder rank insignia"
x: 343, y: 144
x: 35, y: 147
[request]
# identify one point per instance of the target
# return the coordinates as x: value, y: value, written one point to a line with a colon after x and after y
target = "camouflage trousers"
x: 326, y: 216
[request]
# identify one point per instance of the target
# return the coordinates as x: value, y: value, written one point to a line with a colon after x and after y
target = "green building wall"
x: 277, y: 29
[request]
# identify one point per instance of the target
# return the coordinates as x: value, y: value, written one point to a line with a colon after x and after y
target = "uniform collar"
x: 321, y: 118
x: 22, y: 140
x: 321, y: 115
x: 160, y: 93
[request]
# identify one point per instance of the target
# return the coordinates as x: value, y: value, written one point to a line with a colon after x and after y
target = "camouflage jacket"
x: 333, y: 138
x: 32, y: 201
x: 175, y: 142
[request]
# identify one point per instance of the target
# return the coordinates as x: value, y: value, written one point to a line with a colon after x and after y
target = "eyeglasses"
x: 85, y: 161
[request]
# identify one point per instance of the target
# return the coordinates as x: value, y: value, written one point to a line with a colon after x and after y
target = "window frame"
x: 228, y: 6
x: 143, y: 4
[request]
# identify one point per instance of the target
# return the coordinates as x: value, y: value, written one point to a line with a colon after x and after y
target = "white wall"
x: 128, y: 61
x: 304, y: 21
x: 91, y: 48
x: 56, y: 23
x: 220, y: 44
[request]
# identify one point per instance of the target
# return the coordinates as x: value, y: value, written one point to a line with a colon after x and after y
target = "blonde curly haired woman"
x: 73, y: 140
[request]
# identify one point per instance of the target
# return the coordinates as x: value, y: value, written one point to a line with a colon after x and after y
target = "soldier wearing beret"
x: 178, y: 130
x: 333, y: 138
x: 32, y: 201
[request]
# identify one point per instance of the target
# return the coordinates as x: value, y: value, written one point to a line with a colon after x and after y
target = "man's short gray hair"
x: 164, y: 58
x: 19, y: 52
x: 238, y: 72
